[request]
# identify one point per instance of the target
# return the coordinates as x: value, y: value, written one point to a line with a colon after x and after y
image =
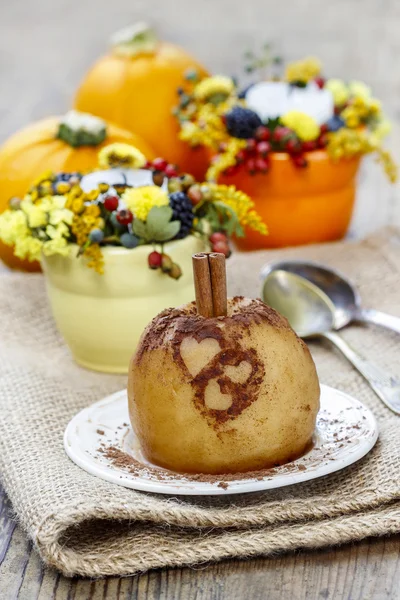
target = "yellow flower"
x: 142, y: 199
x: 92, y: 195
x: 359, y: 89
x: 61, y: 230
x: 47, y: 176
x: 379, y: 132
x: 89, y: 221
x: 226, y: 159
x: 303, y: 71
x: 62, y: 187
x: 37, y: 217
x: 61, y: 215
x: 121, y: 155
x: 13, y: 224
x: 241, y: 204
x: 103, y: 188
x: 304, y: 126
x: 339, y: 91
x: 389, y: 166
x: 56, y: 245
x: 218, y: 86
x: 28, y: 247
x: 76, y: 191
x: 351, y: 117
x: 77, y: 205
x: 92, y: 210
x: 375, y: 107
x: 95, y: 258
x: 346, y: 143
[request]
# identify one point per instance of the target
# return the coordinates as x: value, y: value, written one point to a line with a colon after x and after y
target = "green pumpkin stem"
x: 77, y: 134
x: 135, y: 40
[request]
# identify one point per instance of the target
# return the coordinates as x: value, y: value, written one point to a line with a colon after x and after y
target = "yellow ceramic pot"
x: 102, y: 317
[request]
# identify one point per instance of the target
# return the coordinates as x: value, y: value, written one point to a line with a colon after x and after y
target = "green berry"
x: 116, y: 224
x: 14, y: 203
x: 174, y: 185
x: 96, y: 236
x: 187, y: 180
x: 128, y: 240
x: 191, y: 75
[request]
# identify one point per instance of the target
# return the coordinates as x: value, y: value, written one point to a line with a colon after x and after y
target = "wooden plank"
x: 366, y: 570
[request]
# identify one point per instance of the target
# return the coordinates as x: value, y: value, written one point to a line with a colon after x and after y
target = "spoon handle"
x: 380, y: 318
x: 386, y: 387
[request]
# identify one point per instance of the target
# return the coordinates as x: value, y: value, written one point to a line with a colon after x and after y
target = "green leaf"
x: 228, y: 219
x: 157, y: 220
x: 139, y: 228
x: 169, y: 232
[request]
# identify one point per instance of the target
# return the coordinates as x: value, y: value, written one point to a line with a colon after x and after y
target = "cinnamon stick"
x: 202, y: 285
x: 218, y: 284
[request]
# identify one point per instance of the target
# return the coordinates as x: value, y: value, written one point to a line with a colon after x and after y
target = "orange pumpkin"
x: 35, y: 149
x: 136, y: 86
x: 300, y: 206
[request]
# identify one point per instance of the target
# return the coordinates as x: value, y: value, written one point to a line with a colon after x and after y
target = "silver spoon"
x: 346, y: 300
x: 311, y: 313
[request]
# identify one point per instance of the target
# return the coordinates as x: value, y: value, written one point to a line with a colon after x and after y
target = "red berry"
x: 154, y: 260
x: 262, y: 165
x: 263, y: 148
x: 251, y: 166
x: 159, y: 164
x: 171, y: 171
x: 241, y: 156
x: 111, y: 203
x: 148, y: 164
x: 124, y: 217
x: 221, y: 247
x: 293, y: 146
x: 322, y: 141
x: 308, y: 146
x: 232, y: 170
x: 299, y: 161
x: 251, y: 145
x: 320, y: 81
x: 323, y: 128
x: 280, y: 133
x: 263, y: 133
x: 218, y: 236
x: 195, y: 194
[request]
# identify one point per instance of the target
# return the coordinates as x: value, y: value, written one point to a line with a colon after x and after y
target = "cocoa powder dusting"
x: 126, y: 462
x: 181, y: 322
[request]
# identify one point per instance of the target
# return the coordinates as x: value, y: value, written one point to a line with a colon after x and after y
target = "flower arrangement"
x: 127, y: 202
x: 297, y: 114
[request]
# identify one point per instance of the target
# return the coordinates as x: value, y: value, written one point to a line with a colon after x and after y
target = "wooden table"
x: 363, y: 571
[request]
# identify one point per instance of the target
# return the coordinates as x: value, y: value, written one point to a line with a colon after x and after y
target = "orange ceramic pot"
x: 299, y: 206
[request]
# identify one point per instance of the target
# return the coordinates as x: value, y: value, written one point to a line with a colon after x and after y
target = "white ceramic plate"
x: 346, y: 431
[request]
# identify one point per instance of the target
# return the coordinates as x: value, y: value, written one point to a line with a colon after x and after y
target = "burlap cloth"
x: 83, y: 525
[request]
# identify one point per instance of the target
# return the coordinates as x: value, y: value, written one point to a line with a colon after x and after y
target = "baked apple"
x: 223, y: 394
